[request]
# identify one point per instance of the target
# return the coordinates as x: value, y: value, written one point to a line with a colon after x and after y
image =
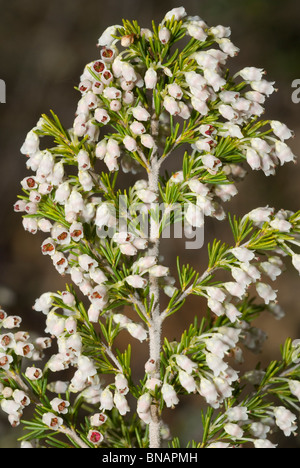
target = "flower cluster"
x: 140, y: 100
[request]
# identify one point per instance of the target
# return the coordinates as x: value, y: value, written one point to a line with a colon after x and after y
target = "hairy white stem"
x: 155, y: 325
x: 72, y: 434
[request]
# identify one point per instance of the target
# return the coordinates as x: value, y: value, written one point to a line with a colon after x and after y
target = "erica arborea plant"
x: 147, y: 94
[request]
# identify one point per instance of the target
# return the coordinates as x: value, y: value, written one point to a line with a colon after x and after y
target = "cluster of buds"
x: 16, y: 345
x: 117, y: 399
x: 213, y: 383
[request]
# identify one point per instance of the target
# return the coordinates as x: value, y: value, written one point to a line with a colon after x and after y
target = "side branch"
x: 155, y: 328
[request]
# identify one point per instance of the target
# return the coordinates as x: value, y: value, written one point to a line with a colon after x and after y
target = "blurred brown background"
x: 44, y: 47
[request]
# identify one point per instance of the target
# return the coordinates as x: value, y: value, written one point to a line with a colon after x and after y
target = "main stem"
x: 155, y: 325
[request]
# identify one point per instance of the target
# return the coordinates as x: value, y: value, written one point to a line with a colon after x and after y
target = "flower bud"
x: 228, y: 47
x: 140, y: 113
x: 253, y: 159
x: 144, y: 403
x: 121, y: 319
x: 98, y: 419
x: 234, y: 430
x: 128, y: 72
x: 7, y: 340
x: 83, y: 160
x: 29, y: 183
x: 187, y: 381
x: 128, y: 98
x: 196, y: 80
x: 60, y: 234
x: 71, y: 325
x: 121, y: 403
x: 263, y: 87
x: 185, y: 363
x: 31, y: 144
x: 153, y: 383
x: 150, y: 366
x: 21, y: 397
x: 85, y: 180
x: 285, y: 420
x: 12, y: 321
x: 228, y: 112
x: 208, y: 391
x: 5, y: 361
x: 52, y: 421
x: 97, y: 87
x: 259, y: 216
x: 55, y: 324
x: 235, y: 289
x: 115, y: 105
x: 237, y: 413
x: 199, y: 105
x: 102, y: 116
x: 243, y: 254
x: 94, y: 313
x: 20, y: 205
x: 194, y: 215
x: 147, y: 196
x: 121, y: 384
x: 176, y: 13
x: 62, y: 193
x: 281, y: 130
x: 7, y: 392
x: 98, y: 276
x: 150, y: 78
x: 106, y: 400
x: 266, y: 292
x: 128, y: 249
x: 108, y: 54
x: 137, y: 128
x: 136, y: 331
x: 164, y: 35
x: 30, y: 225
x: 148, y: 141
x: 99, y: 66
x: 95, y: 437
x: 60, y: 406
x: 44, y: 303
x: 101, y: 149
x: 127, y: 40
x: 140, y: 243
x: 106, y: 39
x: 175, y: 91
x: 147, y: 33
x: 296, y: 262
x: 171, y: 105
x: 252, y: 74
x: 159, y: 271
x: 284, y: 153
x: 196, y: 31
x: 10, y: 407
x: 185, y: 112
x: 26, y: 445
x: 169, y: 395
x: 130, y: 143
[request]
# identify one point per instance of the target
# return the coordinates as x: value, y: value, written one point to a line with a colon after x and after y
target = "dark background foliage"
x: 44, y: 47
